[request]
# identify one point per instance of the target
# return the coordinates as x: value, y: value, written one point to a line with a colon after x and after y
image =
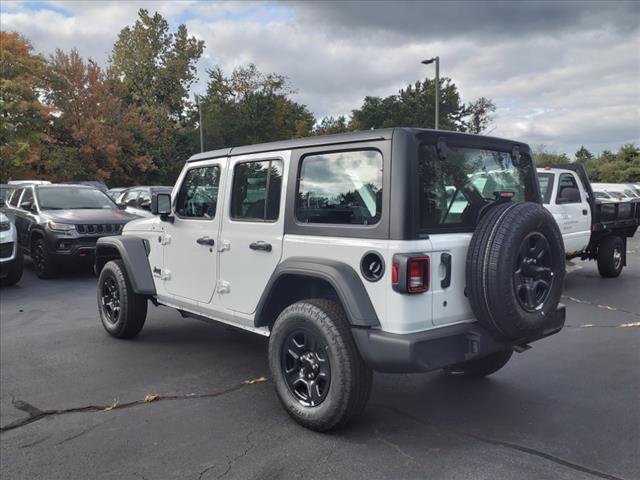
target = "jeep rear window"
x: 453, y: 190
x: 340, y: 188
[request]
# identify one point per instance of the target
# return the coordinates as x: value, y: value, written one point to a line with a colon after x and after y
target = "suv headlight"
x: 5, y: 226
x: 60, y: 227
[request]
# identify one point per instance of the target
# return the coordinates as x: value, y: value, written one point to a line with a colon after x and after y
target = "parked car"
x: 11, y: 261
x: 620, y: 191
x: 90, y: 183
x: 59, y: 224
x: 114, y: 193
x: 5, y: 191
x: 28, y: 182
x: 592, y: 229
x: 138, y: 199
x: 344, y: 251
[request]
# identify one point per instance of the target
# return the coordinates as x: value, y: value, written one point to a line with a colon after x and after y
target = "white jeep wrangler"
x: 397, y: 250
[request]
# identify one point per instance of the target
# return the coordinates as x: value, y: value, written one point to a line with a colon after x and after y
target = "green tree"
x: 480, y: 115
x: 583, y: 155
x: 542, y: 157
x: 620, y: 167
x: 250, y: 107
x: 332, y: 125
x: 157, y: 67
x: 414, y: 106
x: 23, y: 125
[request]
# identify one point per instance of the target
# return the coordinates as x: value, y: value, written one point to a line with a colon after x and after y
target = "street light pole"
x: 437, y: 62
x: 200, y: 123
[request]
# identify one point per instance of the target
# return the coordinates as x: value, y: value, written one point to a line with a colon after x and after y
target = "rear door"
x: 252, y: 228
x: 572, y: 213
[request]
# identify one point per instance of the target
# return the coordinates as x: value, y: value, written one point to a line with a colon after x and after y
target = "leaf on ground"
x: 151, y: 397
x: 112, y: 406
x: 631, y: 324
x: 256, y: 380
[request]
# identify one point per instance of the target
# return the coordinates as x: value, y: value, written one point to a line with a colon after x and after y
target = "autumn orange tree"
x: 23, y: 118
x: 95, y: 135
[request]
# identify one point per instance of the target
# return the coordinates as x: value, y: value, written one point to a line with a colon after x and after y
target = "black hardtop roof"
x: 345, y: 138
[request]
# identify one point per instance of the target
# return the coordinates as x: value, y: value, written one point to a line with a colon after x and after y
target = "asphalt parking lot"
x: 73, y: 399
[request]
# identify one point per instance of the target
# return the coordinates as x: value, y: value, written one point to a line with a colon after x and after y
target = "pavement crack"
x: 504, y: 444
x: 36, y: 414
x: 393, y: 446
x: 599, y: 305
x: 233, y: 460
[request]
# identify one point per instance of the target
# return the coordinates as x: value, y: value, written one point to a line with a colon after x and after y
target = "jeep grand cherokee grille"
x: 6, y: 249
x: 98, y: 229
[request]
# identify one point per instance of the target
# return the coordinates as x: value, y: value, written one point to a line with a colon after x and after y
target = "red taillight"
x: 394, y: 273
x: 418, y: 274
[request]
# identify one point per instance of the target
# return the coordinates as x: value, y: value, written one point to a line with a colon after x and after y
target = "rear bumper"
x: 440, y: 347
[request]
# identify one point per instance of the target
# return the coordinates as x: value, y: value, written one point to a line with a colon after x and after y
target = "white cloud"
x: 568, y: 76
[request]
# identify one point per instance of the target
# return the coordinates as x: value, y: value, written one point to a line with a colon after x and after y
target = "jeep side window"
x: 340, y: 188
x: 256, y: 191
x: 198, y: 195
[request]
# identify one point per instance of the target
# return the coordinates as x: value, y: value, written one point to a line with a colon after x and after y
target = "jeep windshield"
x: 456, y: 183
x: 71, y: 198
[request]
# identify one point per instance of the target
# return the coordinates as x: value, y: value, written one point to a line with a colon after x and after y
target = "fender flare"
x: 133, y: 253
x: 342, y: 277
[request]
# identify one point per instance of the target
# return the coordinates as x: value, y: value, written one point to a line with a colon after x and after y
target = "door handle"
x: 210, y: 242
x: 584, y: 212
x: 263, y: 246
x: 445, y: 258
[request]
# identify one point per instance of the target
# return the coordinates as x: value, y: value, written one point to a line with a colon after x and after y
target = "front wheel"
x: 43, y: 263
x: 122, y: 311
x: 610, y: 257
x: 481, y: 367
x: 319, y: 376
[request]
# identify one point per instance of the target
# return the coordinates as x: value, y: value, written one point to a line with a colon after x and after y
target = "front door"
x: 573, y: 216
x: 252, y: 229
x: 190, y: 241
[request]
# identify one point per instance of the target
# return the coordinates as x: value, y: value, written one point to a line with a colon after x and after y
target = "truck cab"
x: 592, y: 227
x: 566, y: 198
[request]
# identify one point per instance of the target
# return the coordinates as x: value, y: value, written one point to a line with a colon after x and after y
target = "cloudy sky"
x: 562, y: 74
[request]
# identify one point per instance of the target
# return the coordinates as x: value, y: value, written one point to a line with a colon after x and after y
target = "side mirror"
x: 161, y: 205
x: 122, y: 206
x: 145, y: 205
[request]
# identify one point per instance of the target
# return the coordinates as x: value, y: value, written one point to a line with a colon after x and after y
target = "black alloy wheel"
x: 306, y: 368
x: 110, y: 300
x: 39, y: 258
x: 533, y: 276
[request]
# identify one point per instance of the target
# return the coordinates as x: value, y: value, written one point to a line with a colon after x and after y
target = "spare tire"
x: 515, y: 269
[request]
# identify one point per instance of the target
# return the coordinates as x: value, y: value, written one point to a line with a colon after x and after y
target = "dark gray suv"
x: 60, y: 224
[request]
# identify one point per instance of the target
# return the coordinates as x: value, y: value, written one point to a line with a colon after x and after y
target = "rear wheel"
x: 122, y: 311
x: 43, y: 264
x: 611, y: 257
x: 481, y: 367
x: 319, y: 376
